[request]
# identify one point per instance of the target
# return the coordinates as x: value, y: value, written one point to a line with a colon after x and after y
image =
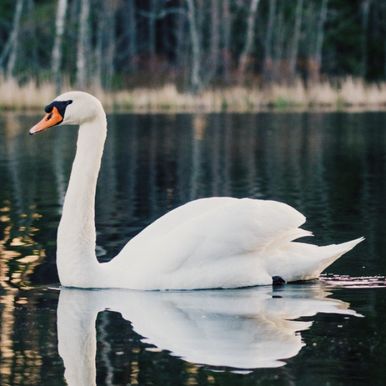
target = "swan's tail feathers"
x: 333, y: 252
x: 348, y: 245
x: 307, y: 261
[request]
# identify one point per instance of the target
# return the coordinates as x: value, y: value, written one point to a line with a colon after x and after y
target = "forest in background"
x: 149, y: 52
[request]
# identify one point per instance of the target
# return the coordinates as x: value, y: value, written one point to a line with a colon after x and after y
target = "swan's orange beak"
x: 50, y: 119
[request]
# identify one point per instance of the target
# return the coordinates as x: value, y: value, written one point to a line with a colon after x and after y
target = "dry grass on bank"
x: 350, y: 93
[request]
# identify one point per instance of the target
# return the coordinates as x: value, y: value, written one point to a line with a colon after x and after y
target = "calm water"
x: 332, y: 167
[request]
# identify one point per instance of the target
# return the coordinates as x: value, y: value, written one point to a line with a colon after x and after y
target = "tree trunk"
x: 195, y: 80
x: 320, y: 35
x: 14, y: 39
x: 110, y: 44
x: 99, y: 44
x: 267, y: 68
x: 151, y: 34
x: 132, y: 32
x: 226, y: 40
x: 383, y: 10
x: 315, y: 62
x: 32, y: 53
x: 295, y: 41
x: 278, y: 46
x: 243, y: 62
x: 212, y: 66
x: 82, y: 64
x: 180, y: 33
x: 365, y: 23
x: 57, y: 49
x: 105, y: 45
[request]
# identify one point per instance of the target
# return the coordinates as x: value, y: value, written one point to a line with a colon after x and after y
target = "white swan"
x: 217, y: 242
x: 240, y: 329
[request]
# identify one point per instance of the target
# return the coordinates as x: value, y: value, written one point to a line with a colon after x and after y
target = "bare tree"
x: 243, y: 61
x: 83, y: 50
x: 196, y: 81
x: 295, y: 40
x: 212, y: 66
x: 57, y: 50
x: 14, y: 39
x: 181, y: 43
x: 365, y: 23
x: 226, y: 23
x: 99, y: 45
x: 278, y: 44
x: 132, y: 35
x: 320, y: 36
x: 105, y: 44
x: 110, y: 42
x: 315, y: 59
x: 267, y: 68
x: 151, y: 32
x: 31, y: 50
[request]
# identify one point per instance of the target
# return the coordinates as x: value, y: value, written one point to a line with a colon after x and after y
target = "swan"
x: 242, y: 329
x: 217, y: 242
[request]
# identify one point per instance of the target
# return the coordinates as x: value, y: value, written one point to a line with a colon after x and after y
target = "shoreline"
x: 351, y: 95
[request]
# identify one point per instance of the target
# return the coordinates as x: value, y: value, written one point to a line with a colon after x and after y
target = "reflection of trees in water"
x: 18, y: 213
x: 27, y: 337
x: 19, y: 256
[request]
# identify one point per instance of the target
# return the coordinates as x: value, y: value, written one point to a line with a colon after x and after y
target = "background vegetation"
x: 313, y: 52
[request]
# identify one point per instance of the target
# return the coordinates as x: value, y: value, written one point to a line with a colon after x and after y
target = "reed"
x: 347, y: 93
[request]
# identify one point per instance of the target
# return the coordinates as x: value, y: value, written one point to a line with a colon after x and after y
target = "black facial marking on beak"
x: 60, y: 105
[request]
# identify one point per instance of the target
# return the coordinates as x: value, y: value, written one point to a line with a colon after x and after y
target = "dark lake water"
x: 330, y: 166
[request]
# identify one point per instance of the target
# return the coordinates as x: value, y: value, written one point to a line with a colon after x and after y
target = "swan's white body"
x: 215, y: 242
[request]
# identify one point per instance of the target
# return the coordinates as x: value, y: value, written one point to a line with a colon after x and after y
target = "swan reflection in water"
x: 241, y: 329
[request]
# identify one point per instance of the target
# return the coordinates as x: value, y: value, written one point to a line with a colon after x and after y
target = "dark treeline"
x: 193, y: 43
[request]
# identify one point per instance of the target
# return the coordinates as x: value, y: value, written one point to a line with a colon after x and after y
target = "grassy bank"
x: 349, y: 94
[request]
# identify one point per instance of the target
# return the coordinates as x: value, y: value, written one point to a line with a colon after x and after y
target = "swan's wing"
x: 174, y: 219
x: 210, y: 229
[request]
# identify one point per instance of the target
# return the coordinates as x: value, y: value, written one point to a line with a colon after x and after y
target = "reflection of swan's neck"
x: 76, y: 232
x: 76, y: 338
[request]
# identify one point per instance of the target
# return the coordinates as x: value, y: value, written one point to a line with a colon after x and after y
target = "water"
x: 330, y: 166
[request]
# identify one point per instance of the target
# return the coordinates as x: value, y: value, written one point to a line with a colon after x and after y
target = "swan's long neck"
x: 76, y: 259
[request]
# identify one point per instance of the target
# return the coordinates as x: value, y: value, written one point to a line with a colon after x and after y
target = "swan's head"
x: 70, y: 108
